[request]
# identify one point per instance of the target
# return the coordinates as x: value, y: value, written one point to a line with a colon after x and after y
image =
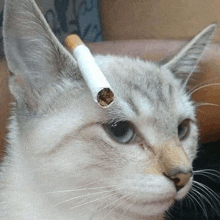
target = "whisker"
x: 203, y: 83
x: 80, y: 187
x: 206, y: 104
x: 168, y: 214
x: 201, y: 87
x: 195, y: 197
x: 208, y: 170
x: 90, y: 194
x: 213, y: 206
x: 111, y: 204
x: 181, y: 207
x: 188, y: 77
x: 128, y: 206
x: 105, y: 207
x: 205, y: 174
x: 191, y: 199
x: 201, y: 111
x: 78, y: 190
x: 117, y: 205
x: 208, y: 189
x: 91, y: 201
x: 199, y: 194
x: 212, y: 200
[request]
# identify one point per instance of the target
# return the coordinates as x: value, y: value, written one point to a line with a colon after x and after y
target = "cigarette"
x: 100, y: 88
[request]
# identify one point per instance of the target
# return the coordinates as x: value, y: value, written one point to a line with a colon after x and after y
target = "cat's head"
x: 136, y: 155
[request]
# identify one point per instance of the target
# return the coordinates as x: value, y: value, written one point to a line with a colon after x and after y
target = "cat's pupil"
x: 120, y: 128
x: 121, y: 131
x: 183, y: 129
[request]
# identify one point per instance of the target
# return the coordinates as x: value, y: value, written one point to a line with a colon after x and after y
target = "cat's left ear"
x: 184, y: 63
x: 36, y: 59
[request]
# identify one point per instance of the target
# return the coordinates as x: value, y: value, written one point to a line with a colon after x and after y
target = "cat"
x: 68, y: 158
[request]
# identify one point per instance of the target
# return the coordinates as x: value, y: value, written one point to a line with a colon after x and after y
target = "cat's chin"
x: 160, y: 206
x: 152, y: 208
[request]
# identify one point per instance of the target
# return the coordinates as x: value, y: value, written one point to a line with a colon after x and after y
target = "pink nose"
x: 180, y: 179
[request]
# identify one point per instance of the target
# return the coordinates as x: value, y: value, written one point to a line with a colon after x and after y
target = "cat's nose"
x: 180, y: 179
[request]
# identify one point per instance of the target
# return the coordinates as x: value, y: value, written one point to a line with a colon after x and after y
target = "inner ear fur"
x: 34, y: 55
x: 185, y: 62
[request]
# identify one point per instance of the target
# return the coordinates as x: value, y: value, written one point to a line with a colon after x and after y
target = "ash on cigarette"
x: 105, y: 97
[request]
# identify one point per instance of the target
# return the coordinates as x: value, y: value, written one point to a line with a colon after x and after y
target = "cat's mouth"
x: 161, y: 201
x: 169, y: 200
x: 151, y: 207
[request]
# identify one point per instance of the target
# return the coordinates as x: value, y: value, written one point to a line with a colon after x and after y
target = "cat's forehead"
x: 135, y: 74
x: 145, y: 88
x: 133, y: 78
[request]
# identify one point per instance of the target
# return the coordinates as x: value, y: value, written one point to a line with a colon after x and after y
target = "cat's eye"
x: 183, y: 129
x: 121, y: 131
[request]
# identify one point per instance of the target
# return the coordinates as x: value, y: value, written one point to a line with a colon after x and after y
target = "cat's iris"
x: 121, y: 131
x: 183, y: 129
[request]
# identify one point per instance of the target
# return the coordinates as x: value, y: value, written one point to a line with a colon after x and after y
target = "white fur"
x: 61, y: 164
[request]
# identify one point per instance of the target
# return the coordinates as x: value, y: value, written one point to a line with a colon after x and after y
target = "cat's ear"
x: 184, y: 63
x: 34, y: 56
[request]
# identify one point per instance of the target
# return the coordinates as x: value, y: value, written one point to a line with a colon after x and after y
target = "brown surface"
x: 208, y: 116
x: 4, y: 104
x: 157, y: 19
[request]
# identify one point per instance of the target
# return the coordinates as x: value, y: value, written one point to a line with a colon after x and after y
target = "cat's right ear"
x: 184, y: 63
x: 34, y: 56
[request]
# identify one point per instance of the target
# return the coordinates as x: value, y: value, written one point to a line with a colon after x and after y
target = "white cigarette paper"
x: 100, y: 88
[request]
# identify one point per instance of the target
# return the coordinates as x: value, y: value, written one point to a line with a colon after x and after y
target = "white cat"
x: 70, y: 159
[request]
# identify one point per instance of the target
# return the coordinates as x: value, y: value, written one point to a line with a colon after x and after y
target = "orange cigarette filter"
x: 72, y: 41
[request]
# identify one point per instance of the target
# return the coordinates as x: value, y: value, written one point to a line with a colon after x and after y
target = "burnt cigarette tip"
x: 105, y: 97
